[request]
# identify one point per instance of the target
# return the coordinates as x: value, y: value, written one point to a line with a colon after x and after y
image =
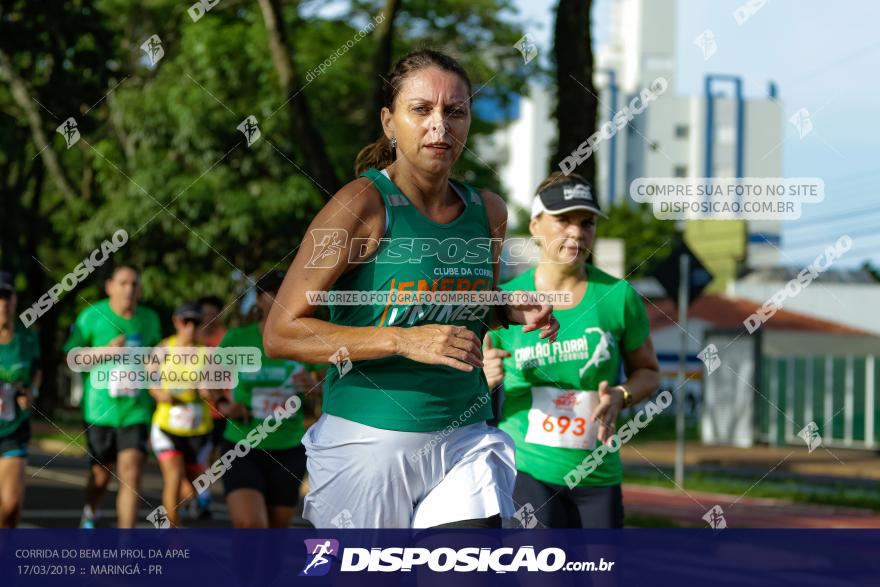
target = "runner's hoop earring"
x: 393, y: 142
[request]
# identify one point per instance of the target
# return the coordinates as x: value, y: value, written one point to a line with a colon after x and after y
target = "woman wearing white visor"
x: 563, y: 398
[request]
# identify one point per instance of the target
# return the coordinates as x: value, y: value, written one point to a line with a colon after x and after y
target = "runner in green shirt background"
x: 117, y: 418
x: 262, y: 487
x: 560, y: 399
x: 19, y: 375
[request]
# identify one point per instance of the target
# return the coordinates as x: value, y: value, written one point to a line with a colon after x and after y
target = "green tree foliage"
x: 160, y: 154
x: 646, y: 239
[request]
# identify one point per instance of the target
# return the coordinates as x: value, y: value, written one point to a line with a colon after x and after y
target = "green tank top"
x: 416, y: 253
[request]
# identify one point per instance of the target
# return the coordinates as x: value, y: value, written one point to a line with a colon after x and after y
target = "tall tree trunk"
x: 577, y: 100
x: 15, y: 175
x: 32, y: 222
x: 305, y: 133
x: 381, y: 67
x: 23, y: 98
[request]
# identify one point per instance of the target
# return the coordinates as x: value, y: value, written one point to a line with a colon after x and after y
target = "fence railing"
x: 838, y: 393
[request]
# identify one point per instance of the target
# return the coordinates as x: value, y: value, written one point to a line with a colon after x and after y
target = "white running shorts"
x: 365, y: 477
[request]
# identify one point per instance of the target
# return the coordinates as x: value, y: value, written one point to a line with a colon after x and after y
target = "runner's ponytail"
x: 378, y: 154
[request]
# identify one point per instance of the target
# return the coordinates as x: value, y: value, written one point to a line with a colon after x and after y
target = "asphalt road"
x: 55, y: 489
x: 55, y: 486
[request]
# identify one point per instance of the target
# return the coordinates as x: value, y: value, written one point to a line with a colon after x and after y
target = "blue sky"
x: 824, y: 56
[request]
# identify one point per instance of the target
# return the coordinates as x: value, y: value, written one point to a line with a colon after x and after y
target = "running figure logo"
x: 342, y: 359
x: 69, y: 131
x: 250, y: 130
x: 328, y: 246
x: 706, y: 42
x: 319, y: 551
x: 526, y: 516
x: 600, y: 353
x: 159, y: 518
x: 343, y: 520
x: 710, y: 358
x: 802, y: 122
x: 715, y: 518
x: 810, y: 435
x: 153, y: 48
x: 527, y: 47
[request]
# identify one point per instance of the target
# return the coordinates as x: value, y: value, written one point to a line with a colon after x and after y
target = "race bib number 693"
x: 561, y: 418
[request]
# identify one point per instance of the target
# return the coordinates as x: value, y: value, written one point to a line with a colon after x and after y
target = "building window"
x: 681, y: 131
x: 680, y: 171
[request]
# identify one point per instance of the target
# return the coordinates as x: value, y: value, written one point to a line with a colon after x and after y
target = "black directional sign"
x: 668, y: 273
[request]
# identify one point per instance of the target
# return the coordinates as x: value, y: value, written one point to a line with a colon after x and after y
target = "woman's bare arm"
x: 642, y: 371
x: 355, y: 212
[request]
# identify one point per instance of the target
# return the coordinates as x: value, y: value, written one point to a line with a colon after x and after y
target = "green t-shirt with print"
x: 19, y: 359
x: 262, y: 390
x: 547, y: 406
x: 116, y: 405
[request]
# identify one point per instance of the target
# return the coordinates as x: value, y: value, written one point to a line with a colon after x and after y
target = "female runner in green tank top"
x: 403, y: 440
x: 20, y: 375
x: 561, y: 398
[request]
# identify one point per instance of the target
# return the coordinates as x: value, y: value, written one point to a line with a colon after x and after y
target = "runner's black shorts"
x: 557, y: 506
x: 217, y: 431
x: 16, y: 443
x: 193, y: 449
x: 105, y: 442
x: 277, y: 474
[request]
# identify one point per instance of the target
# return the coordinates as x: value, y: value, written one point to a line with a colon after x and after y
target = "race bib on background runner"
x: 7, y: 402
x: 118, y: 386
x: 264, y: 400
x: 561, y: 418
x: 185, y: 417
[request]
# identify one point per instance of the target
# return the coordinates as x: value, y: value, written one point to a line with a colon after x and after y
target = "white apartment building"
x: 668, y: 139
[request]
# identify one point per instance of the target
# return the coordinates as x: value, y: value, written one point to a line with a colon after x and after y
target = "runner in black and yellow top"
x: 561, y: 398
x: 19, y: 375
x: 403, y: 440
x: 262, y: 487
x: 181, y: 432
x: 117, y: 417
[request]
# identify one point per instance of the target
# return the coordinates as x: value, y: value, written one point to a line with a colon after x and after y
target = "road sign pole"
x: 683, y: 290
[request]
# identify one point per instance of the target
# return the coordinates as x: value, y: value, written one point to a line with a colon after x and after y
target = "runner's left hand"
x: 610, y: 404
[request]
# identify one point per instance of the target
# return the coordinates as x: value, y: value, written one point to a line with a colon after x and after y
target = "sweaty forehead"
x: 434, y: 85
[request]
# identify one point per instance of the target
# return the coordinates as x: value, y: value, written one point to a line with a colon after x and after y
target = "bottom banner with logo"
x: 270, y: 558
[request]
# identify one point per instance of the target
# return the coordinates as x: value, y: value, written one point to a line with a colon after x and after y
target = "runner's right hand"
x: 441, y: 344
x: 118, y: 341
x: 493, y: 362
